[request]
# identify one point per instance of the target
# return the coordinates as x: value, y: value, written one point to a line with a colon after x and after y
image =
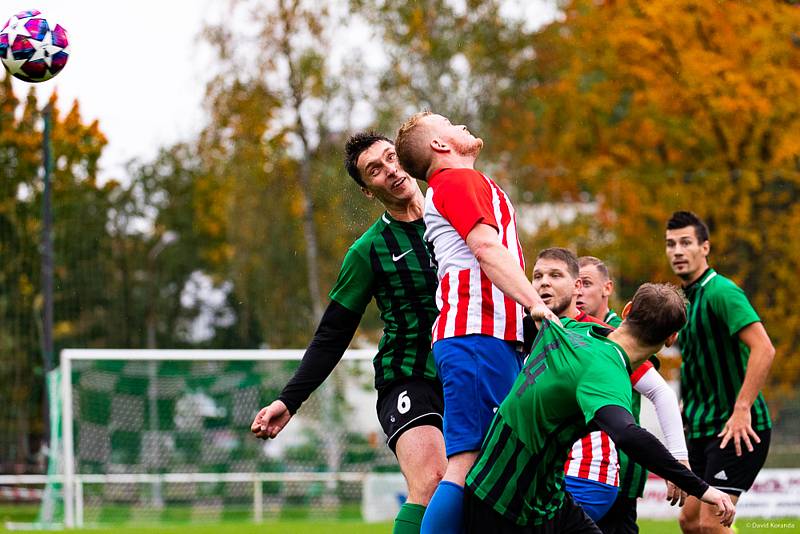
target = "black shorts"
x: 480, y: 518
x: 621, y: 518
x: 724, y: 470
x: 408, y: 403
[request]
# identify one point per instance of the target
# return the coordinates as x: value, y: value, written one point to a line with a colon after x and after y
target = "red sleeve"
x: 584, y: 317
x: 640, y: 371
x: 463, y: 197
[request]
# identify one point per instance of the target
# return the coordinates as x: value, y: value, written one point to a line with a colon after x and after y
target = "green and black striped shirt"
x: 572, y: 372
x: 391, y: 264
x: 714, y: 358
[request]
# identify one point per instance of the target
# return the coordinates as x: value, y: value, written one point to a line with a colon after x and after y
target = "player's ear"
x: 706, y: 247
x: 671, y: 340
x: 439, y: 146
x: 367, y: 193
x: 608, y: 288
x: 626, y: 310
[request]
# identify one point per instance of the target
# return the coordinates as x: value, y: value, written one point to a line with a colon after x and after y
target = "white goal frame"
x: 73, y: 482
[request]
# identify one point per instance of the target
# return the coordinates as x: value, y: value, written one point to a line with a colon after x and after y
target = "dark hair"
x: 353, y: 148
x: 682, y: 219
x: 583, y: 261
x: 657, y: 311
x: 564, y: 255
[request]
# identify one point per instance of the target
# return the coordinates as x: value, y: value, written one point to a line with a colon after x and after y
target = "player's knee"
x: 689, y: 525
x: 421, y: 489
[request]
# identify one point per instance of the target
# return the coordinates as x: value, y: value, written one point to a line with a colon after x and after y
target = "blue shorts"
x: 594, y: 497
x: 477, y: 373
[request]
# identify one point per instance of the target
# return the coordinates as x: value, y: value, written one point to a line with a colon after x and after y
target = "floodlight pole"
x: 47, y: 274
x: 47, y: 246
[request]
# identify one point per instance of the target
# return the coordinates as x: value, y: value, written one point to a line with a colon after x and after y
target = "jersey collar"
x: 388, y: 219
x: 702, y: 281
x: 626, y: 361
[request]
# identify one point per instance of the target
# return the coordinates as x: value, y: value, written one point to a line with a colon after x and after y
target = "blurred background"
x: 216, y: 215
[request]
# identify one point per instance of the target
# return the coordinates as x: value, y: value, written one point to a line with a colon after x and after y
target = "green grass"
x: 27, y: 513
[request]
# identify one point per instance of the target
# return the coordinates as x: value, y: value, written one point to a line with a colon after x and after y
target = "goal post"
x: 155, y: 435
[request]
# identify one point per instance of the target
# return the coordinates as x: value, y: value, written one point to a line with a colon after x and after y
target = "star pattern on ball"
x: 16, y: 27
x: 45, y: 49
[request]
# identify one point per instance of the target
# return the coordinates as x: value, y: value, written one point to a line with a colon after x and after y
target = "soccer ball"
x: 31, y: 48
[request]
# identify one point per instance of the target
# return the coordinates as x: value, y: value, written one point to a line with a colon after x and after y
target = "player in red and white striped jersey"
x: 478, y: 335
x: 469, y: 302
x: 592, y: 468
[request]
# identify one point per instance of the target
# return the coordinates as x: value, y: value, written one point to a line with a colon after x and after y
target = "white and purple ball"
x: 32, y: 48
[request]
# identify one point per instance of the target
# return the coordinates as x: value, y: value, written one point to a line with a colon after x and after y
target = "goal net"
x: 154, y: 436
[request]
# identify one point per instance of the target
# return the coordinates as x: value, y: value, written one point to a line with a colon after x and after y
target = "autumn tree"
x: 81, y: 275
x: 642, y: 108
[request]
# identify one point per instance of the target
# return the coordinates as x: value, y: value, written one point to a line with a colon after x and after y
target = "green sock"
x: 408, y: 519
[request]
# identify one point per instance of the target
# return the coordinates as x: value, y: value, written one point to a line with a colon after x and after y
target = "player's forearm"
x: 504, y: 271
x: 755, y: 337
x: 646, y: 450
x: 758, y: 366
x: 333, y: 335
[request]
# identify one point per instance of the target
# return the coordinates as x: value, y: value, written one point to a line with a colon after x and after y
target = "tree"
x: 272, y: 148
x: 647, y: 107
x: 80, y: 257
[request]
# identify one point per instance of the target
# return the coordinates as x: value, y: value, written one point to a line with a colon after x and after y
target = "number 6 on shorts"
x: 403, y: 402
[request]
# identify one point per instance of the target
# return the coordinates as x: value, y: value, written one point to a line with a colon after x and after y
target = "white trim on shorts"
x: 723, y: 488
x: 402, y: 428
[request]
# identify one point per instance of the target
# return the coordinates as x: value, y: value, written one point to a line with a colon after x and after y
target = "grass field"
x: 26, y: 513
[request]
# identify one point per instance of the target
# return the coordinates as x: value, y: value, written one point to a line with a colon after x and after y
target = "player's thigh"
x: 689, y: 517
x: 420, y: 453
x: 708, y: 521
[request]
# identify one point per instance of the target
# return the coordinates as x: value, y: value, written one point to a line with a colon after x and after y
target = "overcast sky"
x: 133, y: 65
x: 140, y: 67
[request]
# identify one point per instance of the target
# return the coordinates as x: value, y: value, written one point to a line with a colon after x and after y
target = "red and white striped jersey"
x: 594, y: 456
x: 456, y: 201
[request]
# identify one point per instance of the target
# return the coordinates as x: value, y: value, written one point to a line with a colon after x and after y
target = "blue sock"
x: 445, y: 512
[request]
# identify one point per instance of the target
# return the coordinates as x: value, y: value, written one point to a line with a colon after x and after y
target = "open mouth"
x: 545, y: 297
x: 399, y: 183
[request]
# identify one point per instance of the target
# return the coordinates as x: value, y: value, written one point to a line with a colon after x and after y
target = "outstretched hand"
x: 725, y: 508
x: 270, y: 420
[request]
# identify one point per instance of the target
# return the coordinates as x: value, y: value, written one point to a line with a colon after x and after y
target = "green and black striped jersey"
x: 714, y: 358
x: 391, y: 264
x: 612, y: 318
x: 572, y: 372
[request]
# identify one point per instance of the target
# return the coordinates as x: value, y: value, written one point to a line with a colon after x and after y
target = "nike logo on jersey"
x: 398, y: 258
x: 721, y: 475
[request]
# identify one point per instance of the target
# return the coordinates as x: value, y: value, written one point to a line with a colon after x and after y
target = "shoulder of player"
x: 719, y: 286
x: 363, y: 243
x: 454, y: 177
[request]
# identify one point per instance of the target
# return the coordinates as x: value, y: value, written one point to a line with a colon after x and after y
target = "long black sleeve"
x: 334, y: 333
x: 645, y: 449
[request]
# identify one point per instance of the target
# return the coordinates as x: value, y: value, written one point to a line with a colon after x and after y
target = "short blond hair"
x: 412, y: 148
